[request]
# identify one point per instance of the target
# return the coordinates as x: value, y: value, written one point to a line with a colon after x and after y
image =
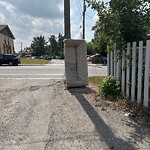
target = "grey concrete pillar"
x: 76, y: 69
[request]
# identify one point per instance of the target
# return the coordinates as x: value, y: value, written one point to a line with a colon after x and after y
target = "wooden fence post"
x: 123, y: 73
x: 128, y: 70
x: 140, y: 68
x: 133, y: 79
x: 115, y: 60
x: 108, y: 64
x: 111, y: 63
x: 119, y: 69
x: 146, y: 79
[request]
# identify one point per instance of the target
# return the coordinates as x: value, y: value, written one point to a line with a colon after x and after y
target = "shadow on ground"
x: 104, y: 131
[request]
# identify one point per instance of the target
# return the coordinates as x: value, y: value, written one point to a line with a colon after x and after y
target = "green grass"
x: 33, y: 61
x: 96, y: 81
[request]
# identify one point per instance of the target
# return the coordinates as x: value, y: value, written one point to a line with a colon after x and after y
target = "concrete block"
x: 76, y: 63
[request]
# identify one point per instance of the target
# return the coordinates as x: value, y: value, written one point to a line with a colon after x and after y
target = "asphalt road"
x: 48, y: 71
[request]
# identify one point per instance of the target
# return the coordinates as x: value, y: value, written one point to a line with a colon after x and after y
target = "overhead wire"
x: 77, y: 29
x: 79, y: 7
x: 80, y: 12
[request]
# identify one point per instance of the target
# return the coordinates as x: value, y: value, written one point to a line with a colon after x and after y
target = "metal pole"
x: 67, y: 19
x: 84, y: 9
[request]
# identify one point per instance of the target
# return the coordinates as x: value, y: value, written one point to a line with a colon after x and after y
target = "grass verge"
x: 118, y: 102
x: 33, y: 61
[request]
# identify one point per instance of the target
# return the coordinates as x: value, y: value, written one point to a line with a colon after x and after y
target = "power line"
x: 77, y: 29
x: 89, y: 16
x: 79, y: 7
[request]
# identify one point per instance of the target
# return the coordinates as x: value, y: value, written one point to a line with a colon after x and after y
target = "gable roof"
x: 2, y: 27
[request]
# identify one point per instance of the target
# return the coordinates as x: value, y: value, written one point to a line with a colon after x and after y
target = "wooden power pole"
x: 84, y: 10
x: 67, y: 19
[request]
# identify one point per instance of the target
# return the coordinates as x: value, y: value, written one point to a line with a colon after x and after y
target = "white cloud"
x: 38, y: 8
x: 2, y: 18
x: 30, y: 18
x: 9, y: 7
x: 95, y: 18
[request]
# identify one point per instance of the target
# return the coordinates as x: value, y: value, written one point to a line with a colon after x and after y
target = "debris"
x: 130, y: 114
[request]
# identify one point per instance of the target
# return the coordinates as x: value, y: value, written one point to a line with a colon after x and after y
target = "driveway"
x: 44, y: 115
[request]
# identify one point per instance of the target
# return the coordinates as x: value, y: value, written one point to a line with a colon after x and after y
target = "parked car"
x: 104, y: 60
x: 9, y: 59
x: 46, y: 57
x: 89, y: 58
x: 97, y: 59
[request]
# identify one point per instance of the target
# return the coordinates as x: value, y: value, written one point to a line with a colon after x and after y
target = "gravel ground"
x: 44, y: 115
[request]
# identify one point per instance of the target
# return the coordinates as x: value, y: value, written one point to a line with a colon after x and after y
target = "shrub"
x: 110, y: 86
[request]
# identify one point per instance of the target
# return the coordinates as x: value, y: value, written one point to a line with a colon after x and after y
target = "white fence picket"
x: 140, y: 67
x: 111, y: 63
x: 146, y: 78
x: 115, y: 61
x: 133, y: 84
x: 128, y: 70
x: 123, y: 73
x: 119, y: 69
x: 108, y: 64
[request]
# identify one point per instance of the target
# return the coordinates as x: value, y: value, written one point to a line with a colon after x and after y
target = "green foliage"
x: 121, y: 21
x: 90, y: 48
x: 97, y: 46
x: 38, y: 45
x: 100, y: 45
x: 33, y: 61
x: 54, y: 46
x: 61, y: 54
x: 110, y: 86
x: 60, y: 42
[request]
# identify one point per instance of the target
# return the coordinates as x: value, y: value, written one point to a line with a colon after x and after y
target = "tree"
x: 61, y: 45
x: 100, y: 45
x: 53, y: 45
x: 121, y: 21
x: 38, y: 45
x: 90, y: 48
x: 133, y: 18
x: 57, y: 45
x: 60, y: 42
x: 27, y: 49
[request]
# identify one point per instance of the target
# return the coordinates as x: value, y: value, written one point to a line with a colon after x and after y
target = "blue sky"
x: 30, y: 18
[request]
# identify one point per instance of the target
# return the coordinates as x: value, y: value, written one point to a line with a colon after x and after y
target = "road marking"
x: 31, y: 74
x: 32, y: 78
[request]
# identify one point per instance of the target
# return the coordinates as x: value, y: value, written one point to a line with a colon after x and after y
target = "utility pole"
x: 84, y: 10
x: 21, y: 46
x: 67, y: 19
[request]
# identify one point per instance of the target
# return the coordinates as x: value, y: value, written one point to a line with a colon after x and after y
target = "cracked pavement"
x: 44, y: 115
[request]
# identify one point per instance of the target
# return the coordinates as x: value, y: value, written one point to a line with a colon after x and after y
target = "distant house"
x: 6, y: 40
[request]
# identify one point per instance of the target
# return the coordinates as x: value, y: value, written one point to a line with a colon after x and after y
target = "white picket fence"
x: 132, y: 68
